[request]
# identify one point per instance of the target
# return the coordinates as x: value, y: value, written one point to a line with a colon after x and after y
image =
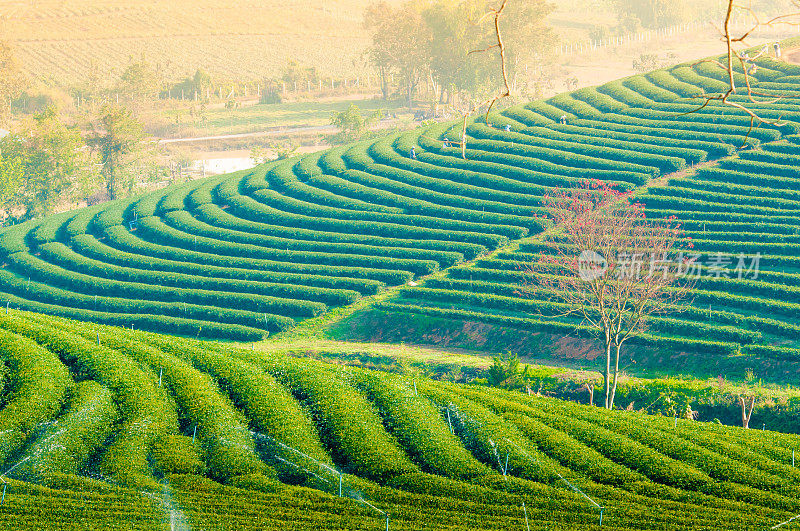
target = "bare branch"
x: 496, y: 13
x: 747, y: 66
x: 607, y: 264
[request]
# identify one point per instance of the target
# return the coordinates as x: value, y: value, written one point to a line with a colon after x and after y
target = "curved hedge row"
x: 293, y: 238
x: 734, y: 209
x: 487, y: 450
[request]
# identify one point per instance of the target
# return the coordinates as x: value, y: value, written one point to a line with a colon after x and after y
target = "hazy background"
x: 206, y: 86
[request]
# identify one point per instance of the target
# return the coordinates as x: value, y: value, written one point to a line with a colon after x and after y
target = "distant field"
x: 177, y: 122
x: 67, y: 40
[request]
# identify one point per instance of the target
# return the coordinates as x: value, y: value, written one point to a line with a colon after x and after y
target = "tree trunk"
x: 109, y: 172
x: 590, y: 389
x: 607, y: 374
x: 384, y: 85
x: 434, y: 86
x: 616, y: 376
x: 745, y: 413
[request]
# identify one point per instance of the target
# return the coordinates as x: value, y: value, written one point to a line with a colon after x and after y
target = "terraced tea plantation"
x: 105, y: 427
x: 250, y: 254
x: 743, y: 215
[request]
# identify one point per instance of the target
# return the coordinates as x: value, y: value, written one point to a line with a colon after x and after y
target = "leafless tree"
x: 737, y: 61
x: 610, y: 266
x: 747, y: 404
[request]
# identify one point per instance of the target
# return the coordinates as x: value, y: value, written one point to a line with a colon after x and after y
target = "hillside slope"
x: 244, y: 255
x: 131, y: 430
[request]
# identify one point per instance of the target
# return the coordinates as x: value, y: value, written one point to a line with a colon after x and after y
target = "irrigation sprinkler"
x: 505, y: 468
x: 306, y: 456
x: 298, y: 467
x: 415, y: 388
x: 676, y: 421
x: 15, y: 466
x: 160, y: 374
x: 579, y: 491
x: 98, y: 339
x: 787, y: 522
x: 449, y: 422
x: 194, y: 434
x: 385, y: 514
x: 59, y: 432
x: 596, y: 505
x: 497, y: 456
x: 7, y: 303
x: 525, y: 511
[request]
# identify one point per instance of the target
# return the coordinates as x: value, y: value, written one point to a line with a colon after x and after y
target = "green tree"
x: 12, y: 80
x: 93, y: 85
x: 294, y: 72
x: 200, y: 82
x: 654, y: 13
x: 527, y: 36
x: 117, y: 138
x: 12, y: 176
x: 352, y: 124
x: 453, y: 36
x: 139, y: 80
x: 505, y: 373
x: 461, y: 29
x: 53, y: 164
x: 400, y: 44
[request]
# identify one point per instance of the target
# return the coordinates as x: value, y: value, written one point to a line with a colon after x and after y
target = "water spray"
x: 385, y: 514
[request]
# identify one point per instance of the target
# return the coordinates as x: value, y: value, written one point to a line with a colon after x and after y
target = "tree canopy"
x: 117, y: 138
x: 434, y: 40
x: 12, y: 79
x: 41, y: 164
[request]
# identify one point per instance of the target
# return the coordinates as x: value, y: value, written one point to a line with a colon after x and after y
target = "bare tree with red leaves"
x: 609, y: 265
